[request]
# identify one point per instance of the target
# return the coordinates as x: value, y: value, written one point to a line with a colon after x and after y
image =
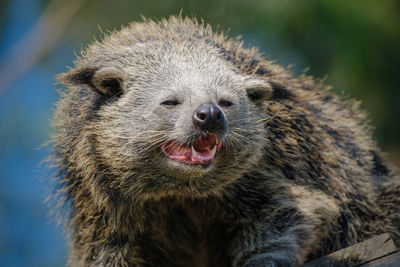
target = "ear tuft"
x: 106, y: 81
x: 77, y: 76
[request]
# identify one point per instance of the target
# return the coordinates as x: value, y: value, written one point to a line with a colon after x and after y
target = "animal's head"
x: 160, y: 108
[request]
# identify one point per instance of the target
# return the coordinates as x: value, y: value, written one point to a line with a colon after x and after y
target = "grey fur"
x: 298, y: 175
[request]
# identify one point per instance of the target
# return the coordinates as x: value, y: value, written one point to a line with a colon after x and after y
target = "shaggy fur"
x: 298, y: 175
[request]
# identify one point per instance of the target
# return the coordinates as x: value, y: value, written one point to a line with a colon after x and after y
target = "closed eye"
x: 170, y: 103
x: 225, y: 103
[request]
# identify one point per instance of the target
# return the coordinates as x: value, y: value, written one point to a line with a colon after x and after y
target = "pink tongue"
x: 202, y: 154
x: 184, y: 153
x: 202, y: 158
x: 202, y: 147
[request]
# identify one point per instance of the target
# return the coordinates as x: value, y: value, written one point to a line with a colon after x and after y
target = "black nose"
x: 208, y: 117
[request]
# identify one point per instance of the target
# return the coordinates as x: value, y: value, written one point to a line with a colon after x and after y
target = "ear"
x: 258, y: 90
x: 106, y: 81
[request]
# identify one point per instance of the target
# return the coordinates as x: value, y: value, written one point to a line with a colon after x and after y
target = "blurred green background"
x: 355, y: 43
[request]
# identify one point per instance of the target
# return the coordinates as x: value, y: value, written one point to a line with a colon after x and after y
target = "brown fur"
x: 298, y: 176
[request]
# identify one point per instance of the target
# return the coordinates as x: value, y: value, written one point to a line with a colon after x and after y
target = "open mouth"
x: 201, y: 151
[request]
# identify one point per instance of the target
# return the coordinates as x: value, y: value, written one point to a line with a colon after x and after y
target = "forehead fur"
x: 177, y: 34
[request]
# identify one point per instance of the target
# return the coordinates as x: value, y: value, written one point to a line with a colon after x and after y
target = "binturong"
x: 176, y: 146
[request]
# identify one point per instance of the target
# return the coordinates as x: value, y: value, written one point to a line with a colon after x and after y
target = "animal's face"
x: 175, y: 119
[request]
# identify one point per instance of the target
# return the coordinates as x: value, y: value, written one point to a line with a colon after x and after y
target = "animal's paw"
x: 267, y: 262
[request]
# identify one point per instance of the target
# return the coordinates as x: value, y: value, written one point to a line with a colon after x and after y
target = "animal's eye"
x: 225, y: 103
x: 170, y: 103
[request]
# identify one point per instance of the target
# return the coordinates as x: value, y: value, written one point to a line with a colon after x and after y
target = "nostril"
x: 219, y: 117
x: 201, y: 116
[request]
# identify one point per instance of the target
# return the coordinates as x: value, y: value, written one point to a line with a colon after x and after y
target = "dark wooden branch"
x: 377, y: 251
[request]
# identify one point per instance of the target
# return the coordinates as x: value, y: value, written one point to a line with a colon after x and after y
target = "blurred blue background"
x: 356, y: 43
